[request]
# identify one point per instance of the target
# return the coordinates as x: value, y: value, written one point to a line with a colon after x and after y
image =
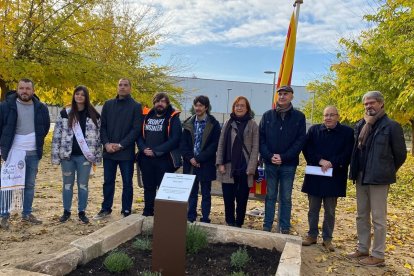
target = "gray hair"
x: 374, y: 95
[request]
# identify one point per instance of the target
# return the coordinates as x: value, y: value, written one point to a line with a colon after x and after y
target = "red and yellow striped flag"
x: 286, y: 66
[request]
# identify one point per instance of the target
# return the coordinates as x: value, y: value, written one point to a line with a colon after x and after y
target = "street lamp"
x: 274, y: 84
x: 228, y: 96
x: 313, y: 104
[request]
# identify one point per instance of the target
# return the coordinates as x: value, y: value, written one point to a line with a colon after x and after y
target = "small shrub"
x: 196, y: 239
x: 143, y: 244
x: 239, y: 259
x: 117, y: 262
x: 150, y: 273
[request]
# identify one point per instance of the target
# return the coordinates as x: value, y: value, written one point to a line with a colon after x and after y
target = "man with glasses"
x: 282, y: 134
x: 378, y: 153
x: 328, y: 145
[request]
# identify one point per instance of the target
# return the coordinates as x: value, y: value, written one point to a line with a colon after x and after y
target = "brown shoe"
x: 309, y: 241
x: 357, y: 254
x: 372, y: 261
x: 31, y: 219
x: 328, y: 246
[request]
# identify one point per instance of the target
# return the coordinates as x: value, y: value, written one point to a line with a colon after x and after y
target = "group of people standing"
x: 83, y: 138
x: 374, y: 151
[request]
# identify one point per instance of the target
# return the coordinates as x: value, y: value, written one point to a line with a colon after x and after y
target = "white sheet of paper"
x: 176, y: 187
x: 315, y: 170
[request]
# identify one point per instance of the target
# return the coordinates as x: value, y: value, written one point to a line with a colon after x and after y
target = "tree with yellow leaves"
x: 382, y: 58
x: 61, y: 43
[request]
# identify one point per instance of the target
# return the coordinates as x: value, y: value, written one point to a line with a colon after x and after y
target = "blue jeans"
x: 32, y: 164
x: 82, y: 167
x: 205, y: 201
x: 279, y: 178
x: 127, y: 172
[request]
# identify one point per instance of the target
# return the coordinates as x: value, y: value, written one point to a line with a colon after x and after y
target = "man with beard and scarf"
x: 24, y: 124
x: 282, y: 135
x: 158, y: 147
x: 379, y: 151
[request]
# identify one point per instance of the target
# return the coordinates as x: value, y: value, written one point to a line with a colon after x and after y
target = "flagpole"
x: 297, y: 5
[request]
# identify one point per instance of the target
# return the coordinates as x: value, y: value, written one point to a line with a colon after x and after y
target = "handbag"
x: 259, y: 184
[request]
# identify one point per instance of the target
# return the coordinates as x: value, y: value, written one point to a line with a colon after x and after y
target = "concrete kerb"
x: 290, y: 246
x: 15, y: 271
x: 118, y: 232
x: 108, y: 237
x: 61, y: 264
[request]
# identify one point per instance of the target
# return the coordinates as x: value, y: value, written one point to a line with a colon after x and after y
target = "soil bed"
x: 213, y: 260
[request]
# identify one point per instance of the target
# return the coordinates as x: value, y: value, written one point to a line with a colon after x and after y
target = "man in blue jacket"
x: 282, y: 134
x: 158, y: 147
x: 201, y: 133
x: 24, y: 124
x: 120, y: 126
x: 328, y: 145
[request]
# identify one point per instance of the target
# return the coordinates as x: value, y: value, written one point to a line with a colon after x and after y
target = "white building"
x: 222, y: 93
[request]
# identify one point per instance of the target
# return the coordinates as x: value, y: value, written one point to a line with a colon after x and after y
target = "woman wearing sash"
x: 76, y: 146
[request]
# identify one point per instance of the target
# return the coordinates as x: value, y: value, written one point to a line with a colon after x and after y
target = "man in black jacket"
x: 158, y: 147
x: 120, y: 126
x: 24, y: 124
x: 328, y: 145
x: 282, y: 134
x: 378, y: 153
x: 201, y: 133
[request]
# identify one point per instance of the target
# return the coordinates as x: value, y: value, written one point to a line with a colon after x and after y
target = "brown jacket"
x: 251, y: 140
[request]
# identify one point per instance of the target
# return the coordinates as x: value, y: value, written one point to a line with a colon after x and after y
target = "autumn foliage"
x: 381, y: 58
x: 60, y: 44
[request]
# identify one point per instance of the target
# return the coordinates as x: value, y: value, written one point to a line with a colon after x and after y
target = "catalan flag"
x: 286, y: 66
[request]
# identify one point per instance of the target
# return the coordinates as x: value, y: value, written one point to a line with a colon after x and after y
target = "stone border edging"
x: 87, y: 248
x: 20, y: 272
x: 111, y: 236
x: 290, y: 246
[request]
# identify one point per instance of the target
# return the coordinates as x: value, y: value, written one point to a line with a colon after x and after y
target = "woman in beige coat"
x: 237, y: 160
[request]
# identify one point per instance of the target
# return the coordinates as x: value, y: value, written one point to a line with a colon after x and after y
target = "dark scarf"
x: 282, y: 110
x: 234, y: 153
x: 367, y: 128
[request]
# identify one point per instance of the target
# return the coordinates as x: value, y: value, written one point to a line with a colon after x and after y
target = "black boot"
x: 65, y: 216
x: 83, y: 217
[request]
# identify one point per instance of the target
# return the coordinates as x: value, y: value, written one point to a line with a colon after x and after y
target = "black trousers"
x: 152, y: 171
x: 239, y: 192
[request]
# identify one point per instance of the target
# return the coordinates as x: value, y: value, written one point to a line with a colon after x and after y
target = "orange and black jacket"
x: 170, y: 146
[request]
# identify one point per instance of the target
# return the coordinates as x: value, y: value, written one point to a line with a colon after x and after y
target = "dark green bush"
x: 142, y: 243
x: 117, y: 262
x: 196, y: 239
x: 239, y: 259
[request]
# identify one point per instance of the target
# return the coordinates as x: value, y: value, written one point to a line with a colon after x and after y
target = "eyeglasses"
x: 330, y: 115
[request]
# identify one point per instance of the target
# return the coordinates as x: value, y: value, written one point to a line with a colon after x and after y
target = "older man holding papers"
x: 329, y: 147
